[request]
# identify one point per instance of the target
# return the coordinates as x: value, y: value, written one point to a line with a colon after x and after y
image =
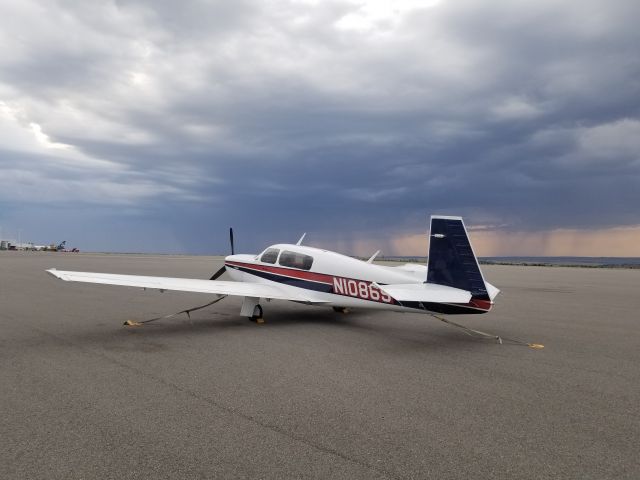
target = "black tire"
x: 256, y: 317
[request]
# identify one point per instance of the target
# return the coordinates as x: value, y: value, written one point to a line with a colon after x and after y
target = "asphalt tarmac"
x: 313, y: 393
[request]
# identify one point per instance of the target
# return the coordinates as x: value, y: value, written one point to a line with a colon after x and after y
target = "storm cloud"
x: 154, y: 126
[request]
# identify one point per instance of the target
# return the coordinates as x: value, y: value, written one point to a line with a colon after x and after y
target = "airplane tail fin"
x: 452, y: 262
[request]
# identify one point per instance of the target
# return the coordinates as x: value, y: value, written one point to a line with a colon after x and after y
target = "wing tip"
x: 54, y: 273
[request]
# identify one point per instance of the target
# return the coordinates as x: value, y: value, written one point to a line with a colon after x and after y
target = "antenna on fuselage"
x: 301, y: 238
x: 373, y: 257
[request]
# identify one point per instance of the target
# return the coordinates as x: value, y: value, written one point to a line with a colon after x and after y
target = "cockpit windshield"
x: 270, y: 255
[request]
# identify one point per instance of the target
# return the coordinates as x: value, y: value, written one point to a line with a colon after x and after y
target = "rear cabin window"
x: 296, y: 260
x: 270, y: 255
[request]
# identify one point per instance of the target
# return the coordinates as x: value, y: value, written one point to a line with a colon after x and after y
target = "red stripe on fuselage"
x: 289, y: 272
x: 329, y: 280
x: 349, y: 287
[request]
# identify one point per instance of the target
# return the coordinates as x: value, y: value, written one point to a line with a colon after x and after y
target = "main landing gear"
x: 252, y: 309
x: 257, y: 315
x: 340, y: 309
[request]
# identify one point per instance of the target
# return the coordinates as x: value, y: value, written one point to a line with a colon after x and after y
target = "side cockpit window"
x: 296, y: 260
x: 270, y: 255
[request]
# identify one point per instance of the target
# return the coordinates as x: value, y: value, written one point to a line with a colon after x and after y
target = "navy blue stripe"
x: 323, y: 287
x: 293, y: 282
x: 443, y: 308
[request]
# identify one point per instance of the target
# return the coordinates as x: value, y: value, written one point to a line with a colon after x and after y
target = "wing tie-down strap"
x: 477, y: 333
x: 133, y: 323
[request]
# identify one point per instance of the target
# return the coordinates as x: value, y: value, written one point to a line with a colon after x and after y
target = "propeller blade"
x: 218, y: 273
x: 223, y: 268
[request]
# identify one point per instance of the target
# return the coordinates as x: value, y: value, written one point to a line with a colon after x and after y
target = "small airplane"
x: 450, y: 283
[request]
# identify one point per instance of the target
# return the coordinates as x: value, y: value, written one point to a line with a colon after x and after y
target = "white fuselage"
x: 452, y: 283
x: 332, y: 279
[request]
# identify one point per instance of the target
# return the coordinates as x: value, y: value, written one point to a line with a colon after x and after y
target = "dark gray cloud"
x: 154, y: 125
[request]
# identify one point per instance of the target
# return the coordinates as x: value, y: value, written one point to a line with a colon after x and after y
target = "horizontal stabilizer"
x: 492, y: 291
x: 413, y: 268
x: 426, y: 292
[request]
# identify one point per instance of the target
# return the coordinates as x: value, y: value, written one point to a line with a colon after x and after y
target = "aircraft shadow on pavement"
x: 389, y: 331
x: 425, y: 333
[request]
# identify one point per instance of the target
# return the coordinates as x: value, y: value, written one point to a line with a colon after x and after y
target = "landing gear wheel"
x: 257, y: 314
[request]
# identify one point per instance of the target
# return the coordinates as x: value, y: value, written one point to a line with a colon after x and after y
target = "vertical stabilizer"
x: 451, y: 259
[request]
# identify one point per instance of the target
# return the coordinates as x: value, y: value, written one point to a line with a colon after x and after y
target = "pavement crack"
x: 224, y: 408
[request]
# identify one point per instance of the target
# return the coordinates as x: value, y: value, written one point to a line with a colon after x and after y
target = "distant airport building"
x: 13, y: 245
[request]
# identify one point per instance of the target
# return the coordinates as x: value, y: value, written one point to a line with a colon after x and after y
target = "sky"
x: 154, y: 126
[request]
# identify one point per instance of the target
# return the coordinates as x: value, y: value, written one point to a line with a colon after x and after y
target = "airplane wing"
x: 426, y: 292
x: 242, y: 289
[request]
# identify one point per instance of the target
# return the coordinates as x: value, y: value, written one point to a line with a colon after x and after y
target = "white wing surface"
x: 426, y: 292
x: 242, y: 289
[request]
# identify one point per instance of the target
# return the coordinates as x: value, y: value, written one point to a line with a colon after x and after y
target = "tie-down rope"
x: 477, y: 333
x: 133, y: 323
